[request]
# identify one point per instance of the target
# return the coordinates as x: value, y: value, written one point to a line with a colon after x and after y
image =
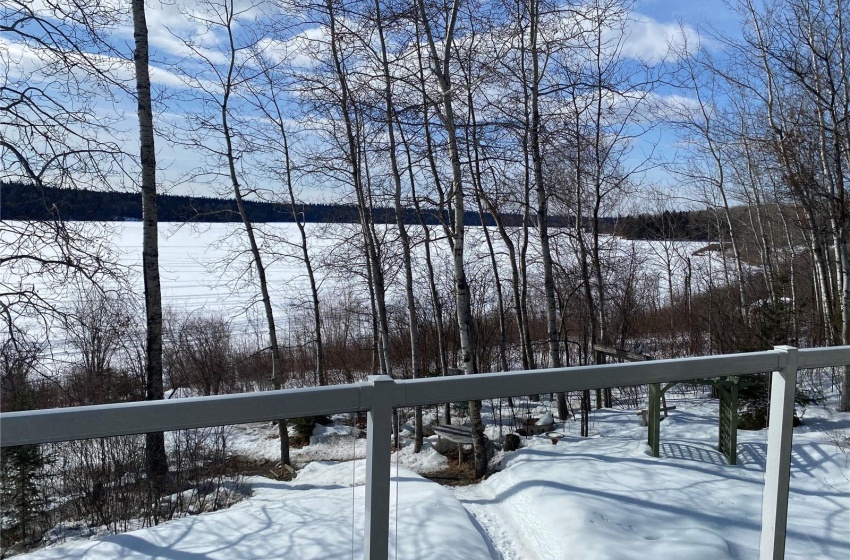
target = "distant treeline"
x: 699, y: 225
x: 21, y: 201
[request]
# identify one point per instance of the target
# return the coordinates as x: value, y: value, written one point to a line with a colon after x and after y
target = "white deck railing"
x: 380, y: 394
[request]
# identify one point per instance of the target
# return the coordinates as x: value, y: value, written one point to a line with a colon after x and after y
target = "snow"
x: 607, y: 498
x: 546, y: 419
x: 206, y: 270
x: 328, y: 443
x: 318, y: 516
x: 602, y: 497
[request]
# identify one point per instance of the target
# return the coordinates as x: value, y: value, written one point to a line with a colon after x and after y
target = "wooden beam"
x: 622, y: 354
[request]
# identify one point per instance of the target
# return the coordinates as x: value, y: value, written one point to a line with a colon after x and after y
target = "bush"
x: 304, y: 426
x: 200, y: 355
x: 754, y: 403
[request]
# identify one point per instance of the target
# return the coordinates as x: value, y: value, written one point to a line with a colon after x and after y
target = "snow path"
x: 568, y: 515
x: 503, y: 537
x: 607, y: 498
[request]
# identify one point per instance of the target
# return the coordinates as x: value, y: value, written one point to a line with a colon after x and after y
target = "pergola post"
x: 727, y: 432
x: 654, y: 419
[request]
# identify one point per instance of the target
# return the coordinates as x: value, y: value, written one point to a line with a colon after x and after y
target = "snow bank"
x: 607, y: 498
x: 317, y: 516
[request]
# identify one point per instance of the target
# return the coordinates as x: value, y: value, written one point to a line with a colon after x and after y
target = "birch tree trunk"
x: 412, y: 317
x: 474, y: 158
x: 157, y: 462
x: 269, y: 104
x: 543, y: 203
x: 321, y: 376
x: 440, y: 66
x: 436, y: 302
x: 357, y: 163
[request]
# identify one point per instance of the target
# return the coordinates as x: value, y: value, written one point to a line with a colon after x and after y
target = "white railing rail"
x: 380, y: 394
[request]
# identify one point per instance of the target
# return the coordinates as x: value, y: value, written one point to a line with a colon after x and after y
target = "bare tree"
x: 792, y: 104
x: 396, y: 173
x: 157, y: 461
x: 97, y: 330
x: 440, y: 64
x: 222, y: 94
x: 706, y: 164
x: 267, y: 94
x: 201, y: 354
x: 50, y: 140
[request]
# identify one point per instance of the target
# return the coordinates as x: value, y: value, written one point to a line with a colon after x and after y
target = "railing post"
x: 777, y: 472
x: 378, y: 433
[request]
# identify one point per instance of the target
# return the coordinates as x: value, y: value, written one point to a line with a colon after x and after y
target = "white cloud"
x: 651, y: 41
x: 680, y: 104
x: 303, y: 50
x: 25, y: 62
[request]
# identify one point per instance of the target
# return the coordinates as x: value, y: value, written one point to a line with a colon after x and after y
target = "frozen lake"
x: 201, y: 264
x: 206, y: 268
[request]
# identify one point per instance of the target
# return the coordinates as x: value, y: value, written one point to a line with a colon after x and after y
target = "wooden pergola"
x: 657, y: 409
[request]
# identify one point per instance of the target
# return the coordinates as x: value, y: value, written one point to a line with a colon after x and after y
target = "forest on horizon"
x: 21, y: 201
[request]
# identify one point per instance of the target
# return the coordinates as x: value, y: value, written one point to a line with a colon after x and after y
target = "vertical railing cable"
x: 397, y: 456
x: 354, y: 433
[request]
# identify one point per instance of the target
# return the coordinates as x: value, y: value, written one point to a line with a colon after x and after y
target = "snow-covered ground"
x: 602, y: 497
x: 607, y: 498
x: 206, y: 271
x: 320, y: 515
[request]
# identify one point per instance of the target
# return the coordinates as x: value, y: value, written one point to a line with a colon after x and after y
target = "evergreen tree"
x: 22, y: 470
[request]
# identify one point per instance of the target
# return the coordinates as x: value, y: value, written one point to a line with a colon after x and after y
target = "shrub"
x: 304, y: 426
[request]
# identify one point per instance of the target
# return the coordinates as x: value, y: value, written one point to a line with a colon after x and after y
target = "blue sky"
x: 168, y: 26
x: 694, y: 12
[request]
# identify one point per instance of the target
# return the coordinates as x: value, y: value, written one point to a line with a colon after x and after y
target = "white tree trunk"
x: 157, y: 462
